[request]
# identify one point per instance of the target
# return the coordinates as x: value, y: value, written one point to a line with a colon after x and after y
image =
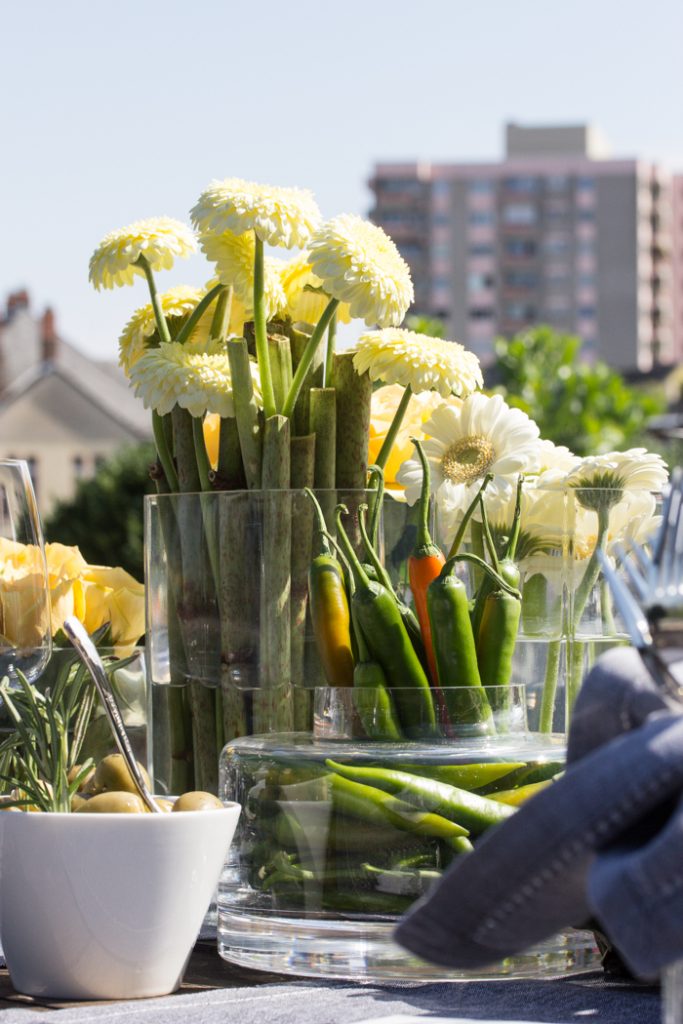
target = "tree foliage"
x: 105, y: 516
x: 586, y: 406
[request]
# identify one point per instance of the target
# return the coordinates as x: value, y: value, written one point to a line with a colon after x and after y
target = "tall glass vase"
x: 230, y: 648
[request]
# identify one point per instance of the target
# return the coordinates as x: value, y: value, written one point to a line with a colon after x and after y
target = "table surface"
x: 214, y: 991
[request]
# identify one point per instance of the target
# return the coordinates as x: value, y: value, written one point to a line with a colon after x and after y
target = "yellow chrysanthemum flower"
x: 303, y: 304
x: 234, y: 259
x: 279, y: 216
x: 158, y: 239
x: 398, y: 356
x: 197, y: 381
x: 176, y: 303
x: 358, y: 263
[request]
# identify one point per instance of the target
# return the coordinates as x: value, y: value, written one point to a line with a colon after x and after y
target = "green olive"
x: 73, y: 772
x: 112, y: 803
x: 197, y: 801
x: 161, y: 801
x: 112, y: 775
x: 77, y: 801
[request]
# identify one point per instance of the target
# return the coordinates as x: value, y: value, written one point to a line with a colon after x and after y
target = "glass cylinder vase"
x: 230, y: 648
x: 341, y: 832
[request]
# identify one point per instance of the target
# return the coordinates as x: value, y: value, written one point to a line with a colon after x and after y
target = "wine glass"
x: 25, y: 633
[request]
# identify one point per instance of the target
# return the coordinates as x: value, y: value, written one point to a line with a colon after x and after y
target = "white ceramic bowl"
x: 106, y: 906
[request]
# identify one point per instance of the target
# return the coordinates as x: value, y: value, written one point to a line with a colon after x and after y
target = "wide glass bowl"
x: 341, y: 832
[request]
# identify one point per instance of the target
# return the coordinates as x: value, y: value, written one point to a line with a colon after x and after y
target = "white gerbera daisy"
x: 358, y: 263
x: 398, y: 356
x: 467, y: 441
x: 158, y: 239
x: 600, y: 480
x: 278, y: 216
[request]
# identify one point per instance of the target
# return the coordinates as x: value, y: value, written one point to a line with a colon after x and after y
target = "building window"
x: 394, y: 186
x: 586, y: 215
x: 557, y: 183
x: 481, y: 313
x: 585, y: 247
x: 521, y: 184
x: 477, y: 282
x: 519, y: 213
x: 442, y: 282
x: 521, y: 279
x: 556, y: 246
x: 481, y: 217
x: 584, y: 184
x: 410, y: 250
x: 519, y: 311
x: 482, y: 186
x: 100, y: 460
x: 441, y: 188
x: 481, y: 249
x: 519, y: 247
x: 78, y: 466
x: 442, y: 219
x: 586, y: 312
x: 586, y: 280
x: 440, y: 251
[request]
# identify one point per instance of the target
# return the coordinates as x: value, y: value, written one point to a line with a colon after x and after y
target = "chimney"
x: 48, y: 336
x: 16, y: 301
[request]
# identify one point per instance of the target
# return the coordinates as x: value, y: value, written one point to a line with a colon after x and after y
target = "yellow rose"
x: 65, y: 566
x: 23, y: 613
x: 113, y: 596
x: 384, y: 403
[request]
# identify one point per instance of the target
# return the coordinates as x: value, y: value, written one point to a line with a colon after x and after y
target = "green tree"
x: 586, y: 406
x: 105, y: 518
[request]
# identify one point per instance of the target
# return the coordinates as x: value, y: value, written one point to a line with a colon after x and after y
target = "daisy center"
x: 468, y: 460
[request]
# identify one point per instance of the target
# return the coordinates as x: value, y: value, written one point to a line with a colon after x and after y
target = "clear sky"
x: 110, y: 112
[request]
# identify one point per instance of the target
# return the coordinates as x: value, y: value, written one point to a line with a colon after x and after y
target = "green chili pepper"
x: 476, y: 813
x: 506, y: 567
x: 342, y: 836
x: 330, y: 609
x: 411, y: 882
x: 409, y: 617
x: 389, y: 644
x: 454, y: 646
x: 465, y: 776
x: 497, y: 637
x: 529, y: 774
x: 517, y: 796
x: 374, y: 805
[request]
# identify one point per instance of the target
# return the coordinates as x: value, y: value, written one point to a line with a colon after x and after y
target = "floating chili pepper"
x: 374, y: 805
x: 388, y: 642
x: 330, y: 609
x: 424, y: 565
x: 476, y: 813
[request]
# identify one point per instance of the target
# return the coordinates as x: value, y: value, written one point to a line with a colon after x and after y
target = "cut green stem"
x: 393, y: 430
x: 196, y: 314
x: 307, y: 357
x: 163, y: 451
x: 162, y: 326
x: 260, y: 333
x: 329, y: 356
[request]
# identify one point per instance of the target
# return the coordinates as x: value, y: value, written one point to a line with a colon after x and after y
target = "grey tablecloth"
x: 567, y: 1001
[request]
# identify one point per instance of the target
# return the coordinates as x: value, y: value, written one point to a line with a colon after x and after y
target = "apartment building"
x: 556, y: 232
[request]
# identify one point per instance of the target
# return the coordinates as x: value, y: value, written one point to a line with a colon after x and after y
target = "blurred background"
x: 526, y: 158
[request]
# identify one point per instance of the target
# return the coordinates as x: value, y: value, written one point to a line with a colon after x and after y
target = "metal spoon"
x: 91, y: 659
